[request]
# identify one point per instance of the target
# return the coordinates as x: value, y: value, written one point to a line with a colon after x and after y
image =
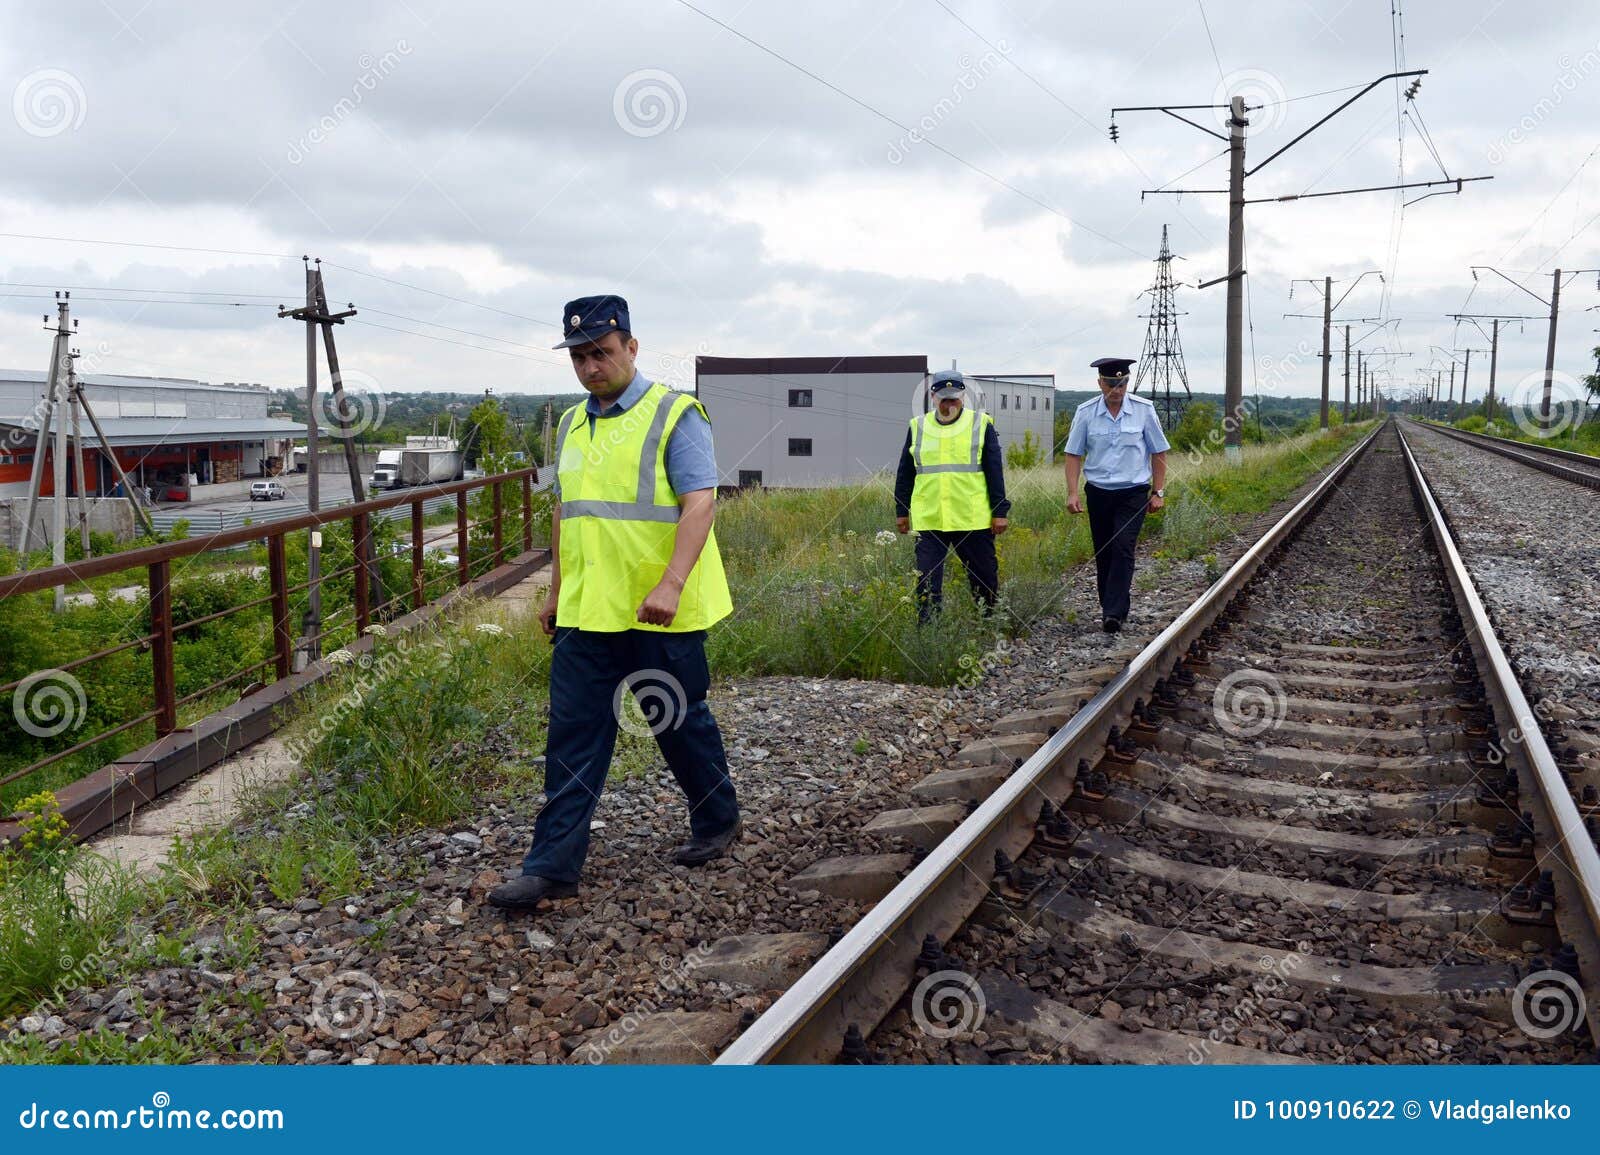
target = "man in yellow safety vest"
x: 951, y: 489
x: 635, y: 581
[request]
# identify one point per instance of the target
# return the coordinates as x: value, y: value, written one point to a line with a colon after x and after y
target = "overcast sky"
x: 514, y: 156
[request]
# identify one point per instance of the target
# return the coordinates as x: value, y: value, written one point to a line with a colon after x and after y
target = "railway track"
x: 1578, y: 468
x: 1312, y: 821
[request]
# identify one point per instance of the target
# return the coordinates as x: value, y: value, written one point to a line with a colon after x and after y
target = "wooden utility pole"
x: 77, y: 453
x: 52, y: 409
x: 364, y: 548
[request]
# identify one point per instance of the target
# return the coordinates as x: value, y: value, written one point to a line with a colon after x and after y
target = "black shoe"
x: 527, y: 892
x: 1111, y: 625
x: 699, y: 851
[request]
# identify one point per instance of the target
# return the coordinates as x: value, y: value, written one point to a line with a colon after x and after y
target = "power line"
x: 1221, y: 76
x: 153, y: 245
x: 886, y: 118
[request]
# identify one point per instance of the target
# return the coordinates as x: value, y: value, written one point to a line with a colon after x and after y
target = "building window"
x: 799, y: 447
x: 799, y: 399
x: 1002, y: 400
x: 749, y: 477
x: 1017, y: 401
x: 1033, y: 402
x: 1047, y: 402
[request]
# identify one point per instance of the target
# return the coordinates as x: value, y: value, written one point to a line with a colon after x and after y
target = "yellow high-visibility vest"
x: 619, y: 519
x: 950, y: 491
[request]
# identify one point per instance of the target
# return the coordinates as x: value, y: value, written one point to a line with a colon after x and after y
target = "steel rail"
x: 1563, y: 834
x: 850, y: 984
x: 1586, y: 474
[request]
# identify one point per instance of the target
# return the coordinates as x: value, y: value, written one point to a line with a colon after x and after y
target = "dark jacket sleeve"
x: 905, y: 479
x: 994, y: 473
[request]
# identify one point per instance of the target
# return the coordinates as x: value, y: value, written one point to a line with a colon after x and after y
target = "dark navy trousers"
x: 1115, y: 517
x: 975, y: 548
x: 590, y: 677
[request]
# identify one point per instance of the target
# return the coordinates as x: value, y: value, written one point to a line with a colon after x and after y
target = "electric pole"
x: 1554, y: 305
x: 1328, y: 307
x: 1495, y: 320
x: 1233, y: 384
x: 51, y: 408
x: 314, y: 313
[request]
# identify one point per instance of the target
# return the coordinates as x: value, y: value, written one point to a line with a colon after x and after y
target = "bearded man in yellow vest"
x: 951, y: 489
x: 635, y: 581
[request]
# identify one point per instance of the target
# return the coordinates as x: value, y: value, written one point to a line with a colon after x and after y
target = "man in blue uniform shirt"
x: 1116, y: 444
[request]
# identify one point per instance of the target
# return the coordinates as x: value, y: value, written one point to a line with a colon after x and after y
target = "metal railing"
x: 156, y: 562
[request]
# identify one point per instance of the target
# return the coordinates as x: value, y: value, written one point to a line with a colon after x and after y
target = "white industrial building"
x: 184, y: 439
x: 814, y: 421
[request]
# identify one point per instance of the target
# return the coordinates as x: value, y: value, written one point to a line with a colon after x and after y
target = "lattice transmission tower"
x: 1161, y: 363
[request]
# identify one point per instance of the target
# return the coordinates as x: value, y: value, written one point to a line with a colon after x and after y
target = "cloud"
x: 478, y: 153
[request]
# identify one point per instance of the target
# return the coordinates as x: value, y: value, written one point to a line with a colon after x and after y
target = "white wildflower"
x: 489, y: 628
x: 884, y: 537
x: 381, y: 630
x: 340, y: 658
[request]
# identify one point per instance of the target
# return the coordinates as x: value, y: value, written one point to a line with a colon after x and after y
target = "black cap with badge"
x: 1113, y: 368
x: 589, y: 319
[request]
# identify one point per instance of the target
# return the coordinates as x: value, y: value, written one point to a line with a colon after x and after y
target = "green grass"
x: 404, y: 742
x: 1582, y: 437
x: 816, y: 593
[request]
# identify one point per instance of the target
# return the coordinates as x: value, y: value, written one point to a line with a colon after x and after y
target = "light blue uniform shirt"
x: 691, y: 460
x: 1116, y: 450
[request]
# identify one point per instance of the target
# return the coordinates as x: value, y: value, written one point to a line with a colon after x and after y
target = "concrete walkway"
x: 212, y: 800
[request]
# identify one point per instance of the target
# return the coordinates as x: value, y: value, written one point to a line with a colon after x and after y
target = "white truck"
x: 386, y: 473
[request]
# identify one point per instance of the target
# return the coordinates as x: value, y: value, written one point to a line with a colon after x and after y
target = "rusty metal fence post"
x: 527, y: 513
x: 497, y: 491
x: 419, y: 589
x: 358, y: 538
x: 163, y: 678
x: 278, y: 579
x: 463, y: 566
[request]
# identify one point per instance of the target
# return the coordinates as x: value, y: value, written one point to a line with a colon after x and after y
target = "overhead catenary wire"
x: 933, y: 144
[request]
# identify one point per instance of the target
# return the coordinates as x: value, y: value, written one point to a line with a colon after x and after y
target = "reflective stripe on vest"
x: 950, y: 493
x: 976, y: 451
x: 645, y: 507
x: 616, y: 537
